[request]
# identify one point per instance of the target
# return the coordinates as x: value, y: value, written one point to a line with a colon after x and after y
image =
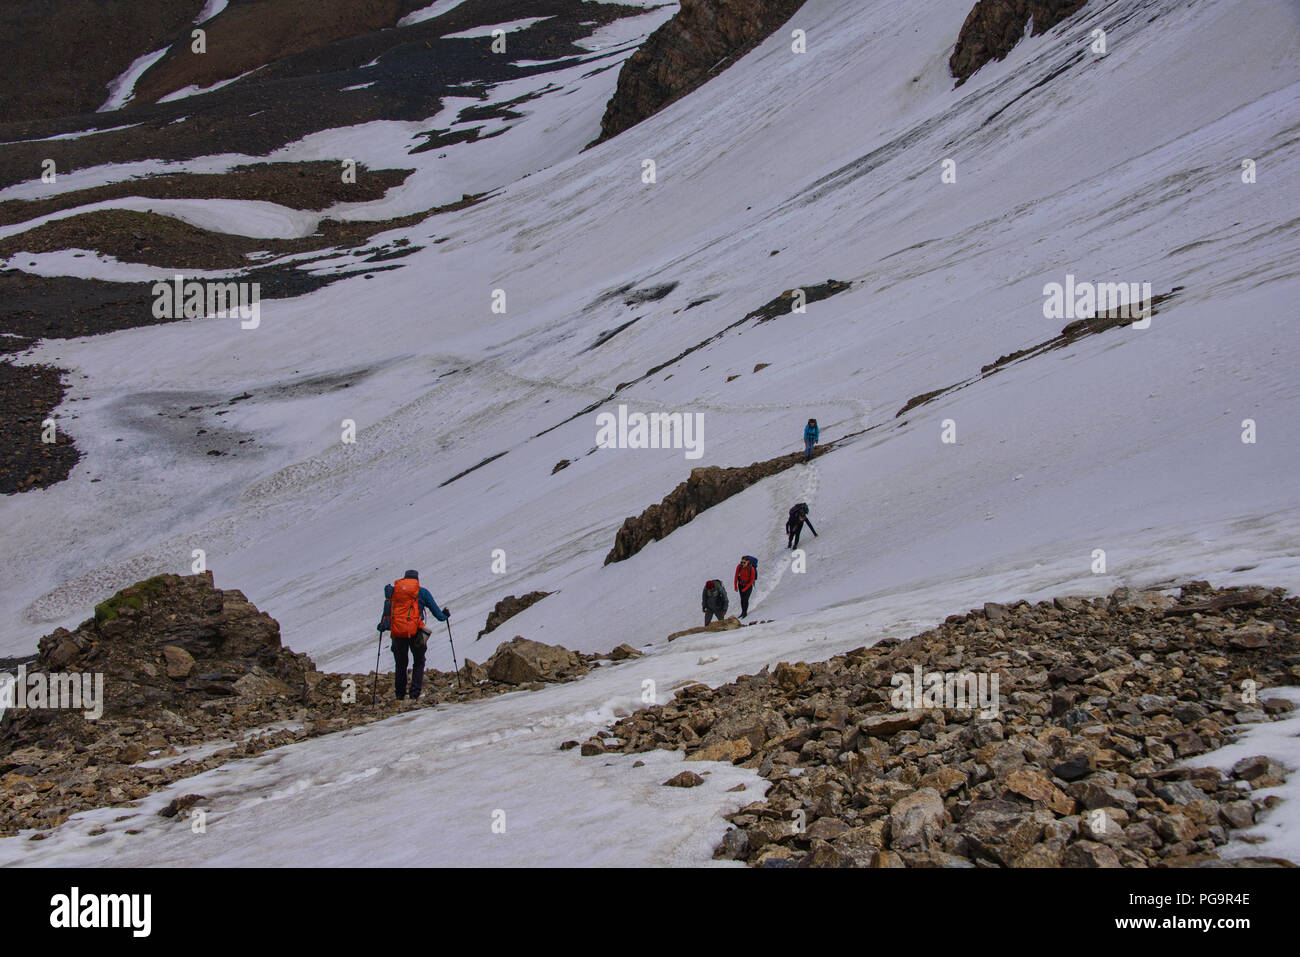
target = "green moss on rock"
x: 133, y: 596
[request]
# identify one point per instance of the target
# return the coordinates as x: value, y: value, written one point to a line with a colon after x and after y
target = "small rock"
x: 1089, y: 854
x: 686, y: 779
x: 179, y: 662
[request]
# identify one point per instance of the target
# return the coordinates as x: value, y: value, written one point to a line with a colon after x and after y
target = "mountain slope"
x: 1119, y: 168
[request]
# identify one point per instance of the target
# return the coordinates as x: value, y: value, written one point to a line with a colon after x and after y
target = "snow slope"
x: 1125, y: 167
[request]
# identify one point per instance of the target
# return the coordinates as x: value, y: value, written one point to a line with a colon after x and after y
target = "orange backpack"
x: 405, y: 615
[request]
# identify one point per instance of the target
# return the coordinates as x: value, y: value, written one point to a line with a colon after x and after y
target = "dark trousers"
x: 808, y: 448
x: 744, y: 601
x: 792, y: 540
x: 710, y: 614
x: 415, y: 647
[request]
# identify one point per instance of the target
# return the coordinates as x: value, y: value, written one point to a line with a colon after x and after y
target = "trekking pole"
x: 453, y: 652
x: 374, y: 684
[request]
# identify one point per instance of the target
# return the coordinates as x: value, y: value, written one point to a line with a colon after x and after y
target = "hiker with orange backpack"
x: 746, y: 575
x: 403, y: 618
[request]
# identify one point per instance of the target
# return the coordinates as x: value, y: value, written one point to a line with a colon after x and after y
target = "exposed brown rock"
x: 707, y: 486
x: 521, y: 661
x: 179, y: 662
x: 508, y: 607
x: 994, y: 27
x: 725, y: 624
x: 686, y: 779
x: 703, y: 38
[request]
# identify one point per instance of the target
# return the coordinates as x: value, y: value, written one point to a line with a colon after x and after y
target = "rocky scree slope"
x: 1103, y: 705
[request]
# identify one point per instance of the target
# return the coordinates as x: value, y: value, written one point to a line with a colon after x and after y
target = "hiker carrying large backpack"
x: 795, y: 523
x: 403, y: 618
x: 714, y: 601
x: 811, y: 433
x: 746, y: 575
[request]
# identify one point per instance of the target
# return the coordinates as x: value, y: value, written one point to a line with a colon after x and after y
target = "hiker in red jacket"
x: 746, y: 575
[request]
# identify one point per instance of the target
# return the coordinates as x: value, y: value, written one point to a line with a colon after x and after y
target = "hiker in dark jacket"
x: 714, y: 601
x: 405, y: 602
x: 795, y: 523
x: 811, y: 432
x: 744, y: 582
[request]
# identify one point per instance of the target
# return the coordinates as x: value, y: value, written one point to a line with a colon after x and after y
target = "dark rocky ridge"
x: 1101, y: 701
x: 994, y: 27
x: 703, y: 38
x: 508, y: 607
x: 706, y: 487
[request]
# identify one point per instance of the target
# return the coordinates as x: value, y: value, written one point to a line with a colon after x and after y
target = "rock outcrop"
x: 1084, y: 761
x: 174, y: 663
x: 508, y: 607
x: 703, y: 38
x: 174, y: 642
x: 993, y: 27
x: 706, y: 487
x: 520, y: 662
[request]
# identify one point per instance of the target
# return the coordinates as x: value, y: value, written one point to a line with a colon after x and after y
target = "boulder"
x: 1036, y: 786
x: 179, y: 662
x: 260, y: 686
x: 790, y: 676
x: 1089, y: 854
x: 916, y: 820
x: 521, y: 661
x: 728, y: 750
x: 888, y: 725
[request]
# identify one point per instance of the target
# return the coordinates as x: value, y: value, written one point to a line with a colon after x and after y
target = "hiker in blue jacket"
x: 405, y: 602
x: 810, y: 435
